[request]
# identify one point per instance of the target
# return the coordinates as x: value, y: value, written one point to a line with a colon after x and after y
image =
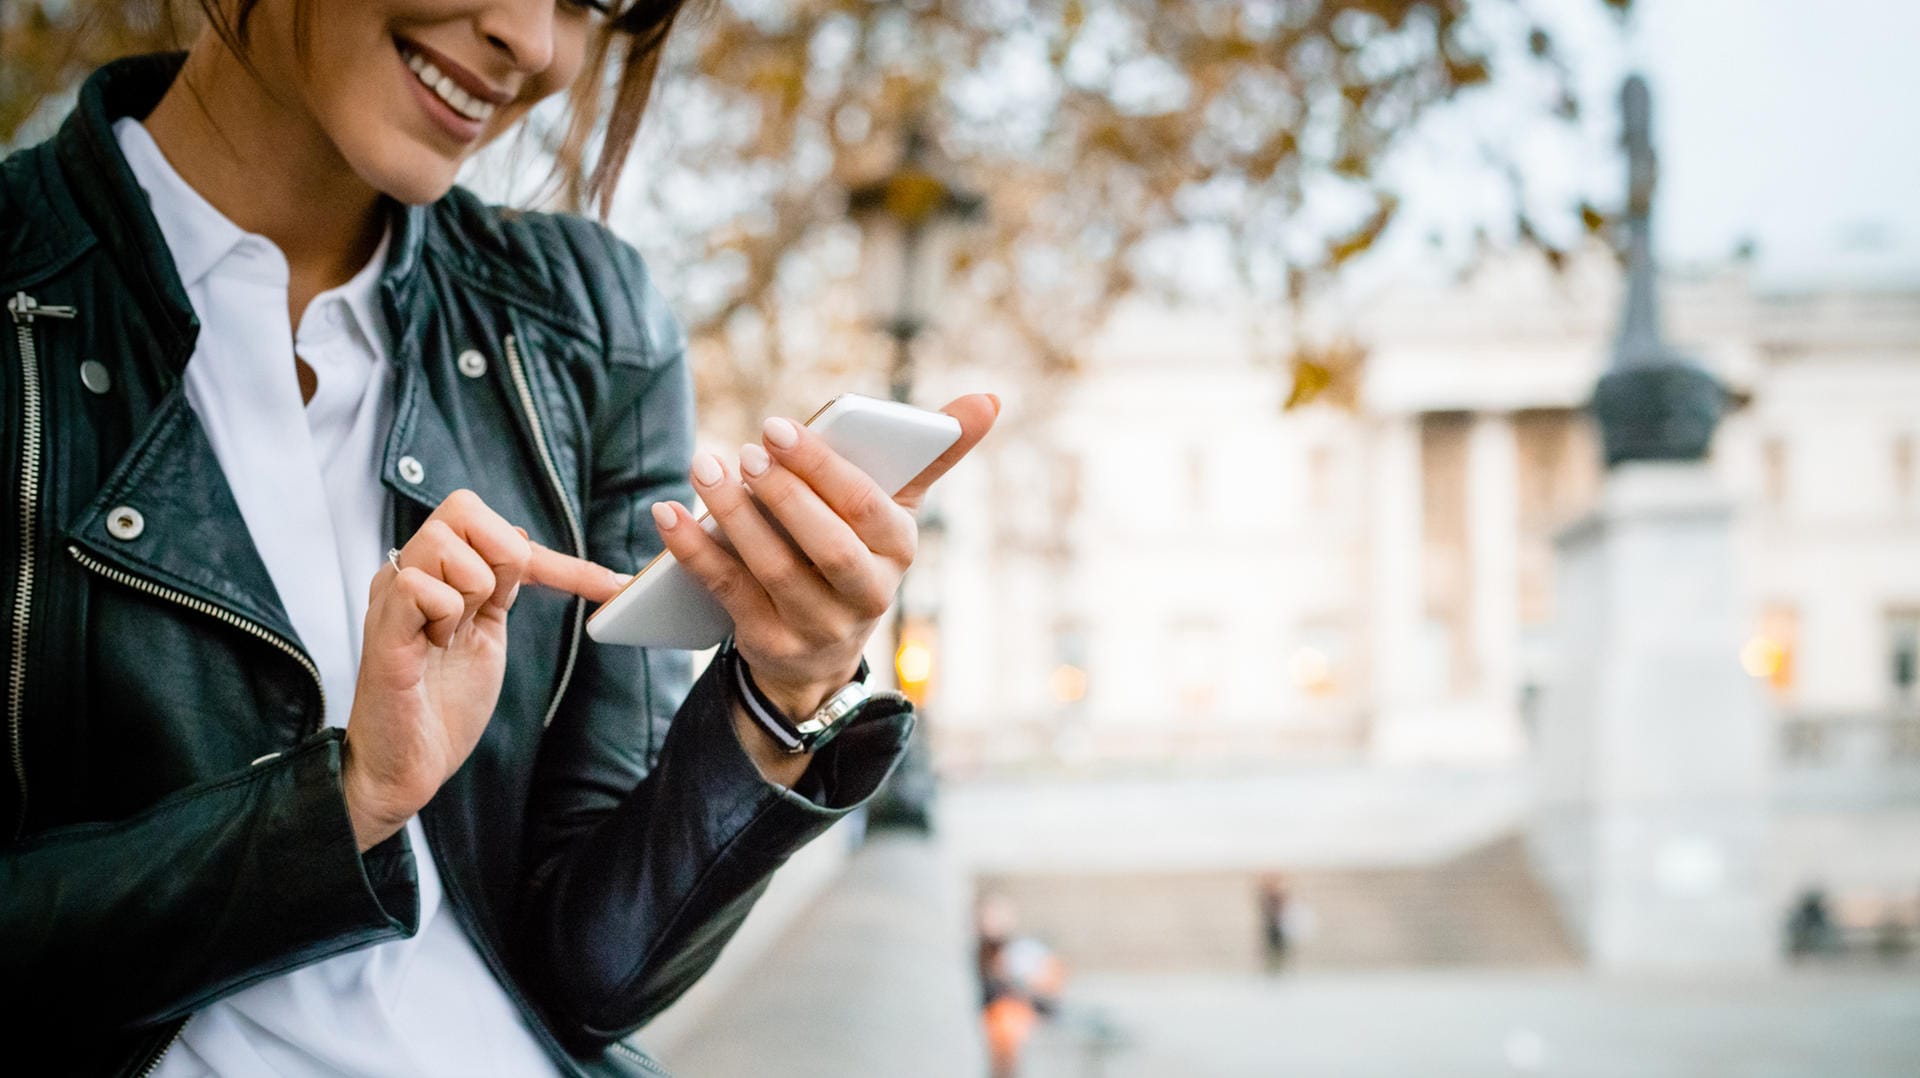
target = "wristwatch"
x: 809, y: 734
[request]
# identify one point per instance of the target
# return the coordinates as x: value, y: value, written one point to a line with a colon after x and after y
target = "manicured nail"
x: 754, y: 460
x: 707, y: 470
x: 780, y: 433
x: 663, y: 515
x: 995, y: 398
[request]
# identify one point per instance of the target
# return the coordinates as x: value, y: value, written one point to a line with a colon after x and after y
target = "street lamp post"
x: 908, y: 219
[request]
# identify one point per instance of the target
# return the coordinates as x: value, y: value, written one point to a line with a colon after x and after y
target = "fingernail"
x: 513, y: 594
x: 780, y: 433
x: 619, y: 578
x: 522, y: 531
x: 663, y: 515
x: 707, y: 470
x: 754, y: 460
x: 995, y: 398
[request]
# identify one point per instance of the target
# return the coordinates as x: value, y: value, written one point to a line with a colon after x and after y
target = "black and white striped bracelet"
x: 794, y: 737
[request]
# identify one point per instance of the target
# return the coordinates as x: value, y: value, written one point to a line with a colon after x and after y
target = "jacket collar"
x: 116, y: 211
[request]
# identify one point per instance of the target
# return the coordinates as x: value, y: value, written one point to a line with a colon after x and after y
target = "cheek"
x: 556, y: 79
x: 372, y: 118
x: 569, y: 56
x: 570, y: 38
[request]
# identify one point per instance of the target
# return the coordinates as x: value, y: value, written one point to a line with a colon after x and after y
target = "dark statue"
x: 1653, y: 404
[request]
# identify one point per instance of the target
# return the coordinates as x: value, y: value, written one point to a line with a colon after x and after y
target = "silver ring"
x: 393, y: 558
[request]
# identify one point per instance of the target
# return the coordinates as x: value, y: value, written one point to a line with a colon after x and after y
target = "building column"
x: 1493, y: 558
x: 1397, y: 590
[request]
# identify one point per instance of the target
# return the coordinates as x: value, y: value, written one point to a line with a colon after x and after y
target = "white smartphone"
x: 663, y: 606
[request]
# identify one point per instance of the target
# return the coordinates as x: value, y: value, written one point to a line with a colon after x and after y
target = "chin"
x: 415, y: 178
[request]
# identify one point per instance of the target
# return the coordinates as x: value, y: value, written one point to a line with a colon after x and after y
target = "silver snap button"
x: 411, y: 471
x: 93, y: 375
x: 472, y: 363
x: 125, y: 522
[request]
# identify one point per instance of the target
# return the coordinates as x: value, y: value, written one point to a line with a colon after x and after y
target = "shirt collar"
x: 360, y: 294
x: 200, y: 237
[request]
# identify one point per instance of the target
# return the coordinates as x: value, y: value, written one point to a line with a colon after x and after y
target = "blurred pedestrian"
x: 1810, y: 929
x: 1273, y: 920
x: 1021, y: 981
x: 993, y: 922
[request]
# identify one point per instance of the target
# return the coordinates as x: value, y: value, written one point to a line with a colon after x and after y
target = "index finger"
x: 575, y: 576
x: 976, y: 413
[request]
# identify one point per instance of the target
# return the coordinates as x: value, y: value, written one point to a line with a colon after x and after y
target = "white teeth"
x: 448, y: 90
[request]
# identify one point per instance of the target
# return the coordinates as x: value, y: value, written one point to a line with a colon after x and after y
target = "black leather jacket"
x: 172, y: 817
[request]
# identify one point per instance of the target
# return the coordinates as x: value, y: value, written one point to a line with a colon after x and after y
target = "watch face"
x: 837, y: 708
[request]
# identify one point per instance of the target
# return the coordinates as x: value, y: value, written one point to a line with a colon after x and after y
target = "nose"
x: 522, y: 29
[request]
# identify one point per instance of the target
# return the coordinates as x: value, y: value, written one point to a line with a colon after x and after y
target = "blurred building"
x: 1168, y: 566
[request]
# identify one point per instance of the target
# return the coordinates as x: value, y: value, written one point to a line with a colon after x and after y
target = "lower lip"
x: 457, y: 127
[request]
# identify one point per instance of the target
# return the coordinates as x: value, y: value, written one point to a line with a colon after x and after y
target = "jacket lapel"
x: 188, y: 534
x: 423, y: 462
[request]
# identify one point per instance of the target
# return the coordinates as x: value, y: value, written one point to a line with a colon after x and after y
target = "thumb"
x: 976, y: 413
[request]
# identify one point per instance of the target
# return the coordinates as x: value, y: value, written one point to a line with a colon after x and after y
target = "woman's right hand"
x: 433, y: 653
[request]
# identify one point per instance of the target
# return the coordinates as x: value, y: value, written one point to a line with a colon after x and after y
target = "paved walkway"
x: 872, y: 981
x: 1563, y: 1024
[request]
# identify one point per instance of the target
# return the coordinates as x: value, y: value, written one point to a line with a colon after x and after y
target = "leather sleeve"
x: 651, y: 839
x: 224, y: 883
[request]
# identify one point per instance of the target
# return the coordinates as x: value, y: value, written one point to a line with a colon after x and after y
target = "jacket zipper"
x: 646, y: 1062
x: 230, y: 618
x: 25, y: 309
x: 525, y: 391
x: 201, y: 606
x: 153, y: 1064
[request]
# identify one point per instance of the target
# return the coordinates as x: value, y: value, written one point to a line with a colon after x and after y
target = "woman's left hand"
x: 813, y: 550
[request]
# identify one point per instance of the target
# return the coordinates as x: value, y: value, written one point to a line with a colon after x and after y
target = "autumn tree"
x: 1103, y: 134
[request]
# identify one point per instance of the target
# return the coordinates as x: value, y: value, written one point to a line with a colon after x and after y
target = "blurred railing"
x: 1843, y: 760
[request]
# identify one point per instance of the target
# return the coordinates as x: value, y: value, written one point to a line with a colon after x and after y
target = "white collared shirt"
x: 306, y: 478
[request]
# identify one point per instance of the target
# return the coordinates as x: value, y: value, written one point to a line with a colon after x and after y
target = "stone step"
x: 1482, y: 908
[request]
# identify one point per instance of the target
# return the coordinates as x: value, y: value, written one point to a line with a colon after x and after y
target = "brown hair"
x: 635, y: 30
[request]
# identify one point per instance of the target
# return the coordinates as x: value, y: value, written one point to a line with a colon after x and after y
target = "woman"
x: 304, y: 778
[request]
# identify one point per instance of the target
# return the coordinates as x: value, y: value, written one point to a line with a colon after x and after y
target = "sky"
x: 1789, y: 124
x: 1793, y: 123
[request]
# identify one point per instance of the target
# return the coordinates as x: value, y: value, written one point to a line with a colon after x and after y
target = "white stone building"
x: 1159, y: 563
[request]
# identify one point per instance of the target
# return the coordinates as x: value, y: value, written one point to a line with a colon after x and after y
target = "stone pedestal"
x: 1654, y: 753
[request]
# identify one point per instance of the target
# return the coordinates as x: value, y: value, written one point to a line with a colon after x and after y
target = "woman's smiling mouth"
x: 456, y: 98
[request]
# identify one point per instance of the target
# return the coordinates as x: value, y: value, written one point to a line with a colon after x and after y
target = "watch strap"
x: 809, y: 734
